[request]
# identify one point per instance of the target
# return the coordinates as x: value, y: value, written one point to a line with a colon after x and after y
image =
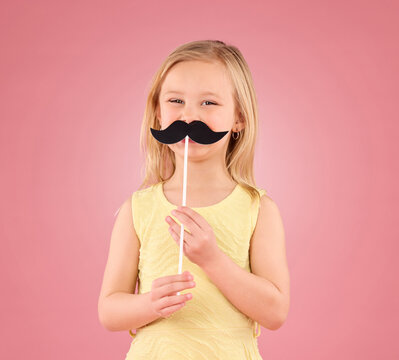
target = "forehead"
x: 197, y: 77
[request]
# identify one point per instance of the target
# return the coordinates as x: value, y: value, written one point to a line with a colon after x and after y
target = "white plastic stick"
x: 183, y: 204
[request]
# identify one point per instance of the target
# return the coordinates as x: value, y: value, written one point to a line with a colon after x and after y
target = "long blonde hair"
x: 160, y: 160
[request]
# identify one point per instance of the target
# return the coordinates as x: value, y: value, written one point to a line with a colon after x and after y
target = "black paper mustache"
x: 197, y: 130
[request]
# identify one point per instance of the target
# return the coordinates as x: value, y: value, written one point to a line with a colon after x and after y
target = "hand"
x: 164, y: 300
x: 199, y: 245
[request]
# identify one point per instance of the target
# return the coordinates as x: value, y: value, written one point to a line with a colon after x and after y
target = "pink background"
x: 74, y: 80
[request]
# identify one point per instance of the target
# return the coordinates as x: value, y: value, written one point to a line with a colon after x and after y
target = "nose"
x: 189, y: 115
x: 190, y: 120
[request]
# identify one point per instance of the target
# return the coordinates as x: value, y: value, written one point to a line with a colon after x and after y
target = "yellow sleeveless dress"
x: 209, y: 326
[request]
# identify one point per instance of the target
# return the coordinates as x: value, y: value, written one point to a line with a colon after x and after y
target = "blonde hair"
x: 159, y: 158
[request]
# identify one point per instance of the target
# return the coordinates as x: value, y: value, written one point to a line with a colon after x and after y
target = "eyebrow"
x: 203, y: 93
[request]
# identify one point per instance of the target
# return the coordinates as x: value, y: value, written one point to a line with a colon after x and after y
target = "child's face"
x: 183, y: 97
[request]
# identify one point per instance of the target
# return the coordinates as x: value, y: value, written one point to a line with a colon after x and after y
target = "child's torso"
x: 233, y: 220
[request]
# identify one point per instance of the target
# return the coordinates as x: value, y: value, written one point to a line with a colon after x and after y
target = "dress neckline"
x: 159, y: 189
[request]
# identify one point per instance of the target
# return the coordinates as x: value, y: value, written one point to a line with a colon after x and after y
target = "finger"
x: 195, y: 216
x: 187, y: 221
x: 172, y: 288
x: 176, y: 236
x: 171, y: 278
x: 167, y: 301
x: 166, y: 312
x: 175, y: 225
x: 177, y: 228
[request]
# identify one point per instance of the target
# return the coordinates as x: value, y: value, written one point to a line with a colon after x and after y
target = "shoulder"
x: 268, y: 217
x: 128, y: 203
x: 269, y: 211
x: 267, y: 205
x: 269, y: 233
x: 131, y: 201
x: 143, y: 197
x: 124, y: 213
x: 265, y: 201
x: 144, y: 192
x: 251, y: 193
x: 261, y: 191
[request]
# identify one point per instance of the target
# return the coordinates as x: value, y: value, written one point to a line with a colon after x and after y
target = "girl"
x: 235, y: 273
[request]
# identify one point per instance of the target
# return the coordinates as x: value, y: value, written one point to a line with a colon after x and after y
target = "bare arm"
x: 123, y: 311
x: 119, y: 308
x: 263, y: 295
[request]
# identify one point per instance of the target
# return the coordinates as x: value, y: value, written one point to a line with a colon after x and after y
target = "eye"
x: 174, y: 101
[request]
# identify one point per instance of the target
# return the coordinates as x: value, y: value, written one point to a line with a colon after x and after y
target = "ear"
x: 239, y: 123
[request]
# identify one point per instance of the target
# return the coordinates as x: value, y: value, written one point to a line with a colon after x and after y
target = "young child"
x: 235, y: 274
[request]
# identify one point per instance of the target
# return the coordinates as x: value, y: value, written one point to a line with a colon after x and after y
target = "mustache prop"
x: 197, y: 130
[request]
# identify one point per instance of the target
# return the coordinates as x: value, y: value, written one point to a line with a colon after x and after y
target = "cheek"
x: 171, y: 110
x: 169, y: 115
x: 219, y: 121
